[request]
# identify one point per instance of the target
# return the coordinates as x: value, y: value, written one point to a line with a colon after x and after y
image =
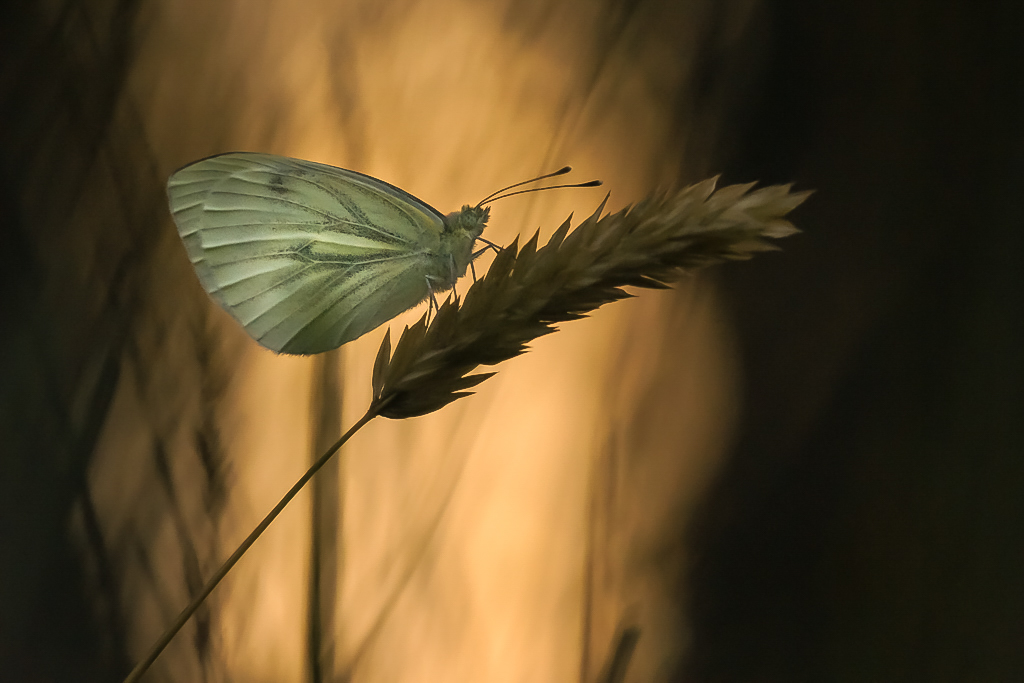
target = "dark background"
x: 869, y: 524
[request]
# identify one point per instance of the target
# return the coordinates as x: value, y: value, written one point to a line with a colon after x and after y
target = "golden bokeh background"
x: 502, y: 538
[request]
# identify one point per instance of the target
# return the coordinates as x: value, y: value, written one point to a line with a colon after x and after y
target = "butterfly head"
x: 470, y: 220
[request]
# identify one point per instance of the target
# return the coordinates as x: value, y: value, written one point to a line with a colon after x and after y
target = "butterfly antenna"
x: 561, y: 171
x: 592, y: 183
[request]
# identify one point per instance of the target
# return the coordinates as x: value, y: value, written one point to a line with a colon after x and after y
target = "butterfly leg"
x: 474, y: 257
x: 490, y: 245
x: 432, y: 305
x: 454, y: 277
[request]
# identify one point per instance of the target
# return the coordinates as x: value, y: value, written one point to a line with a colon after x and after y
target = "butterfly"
x: 307, y: 257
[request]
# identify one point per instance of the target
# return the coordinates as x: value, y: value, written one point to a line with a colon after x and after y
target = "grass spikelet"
x: 527, y: 291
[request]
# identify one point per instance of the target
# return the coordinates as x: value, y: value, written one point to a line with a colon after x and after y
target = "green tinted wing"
x: 305, y: 256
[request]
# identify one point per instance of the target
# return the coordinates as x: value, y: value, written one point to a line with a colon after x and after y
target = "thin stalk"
x: 186, y: 613
x: 326, y: 521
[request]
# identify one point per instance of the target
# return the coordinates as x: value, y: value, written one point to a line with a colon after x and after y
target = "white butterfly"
x: 308, y: 256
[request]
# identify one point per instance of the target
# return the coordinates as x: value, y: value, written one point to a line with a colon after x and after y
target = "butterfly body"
x: 308, y: 256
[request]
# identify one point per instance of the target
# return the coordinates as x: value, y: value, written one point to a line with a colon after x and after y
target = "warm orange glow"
x: 465, y: 533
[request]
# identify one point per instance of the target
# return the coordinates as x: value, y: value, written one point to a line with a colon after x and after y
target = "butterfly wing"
x: 304, y: 255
